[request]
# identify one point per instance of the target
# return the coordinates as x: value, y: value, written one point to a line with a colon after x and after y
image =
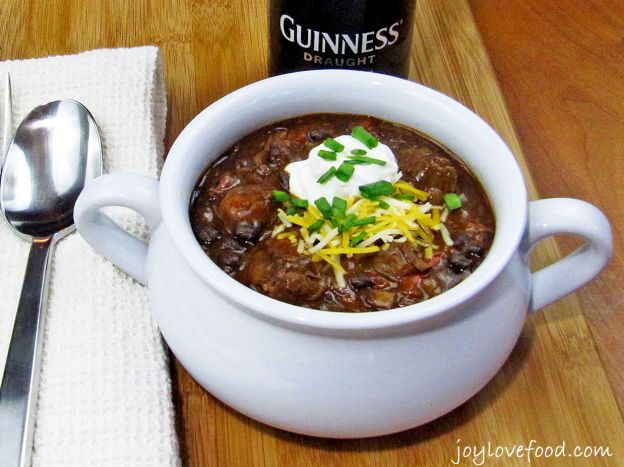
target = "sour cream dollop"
x: 304, y: 174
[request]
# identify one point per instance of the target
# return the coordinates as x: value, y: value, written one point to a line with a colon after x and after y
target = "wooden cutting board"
x: 552, y: 390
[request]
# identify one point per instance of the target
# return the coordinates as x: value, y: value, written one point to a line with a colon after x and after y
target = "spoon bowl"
x: 55, y: 152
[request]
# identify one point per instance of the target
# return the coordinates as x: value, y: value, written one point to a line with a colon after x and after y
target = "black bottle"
x: 370, y: 35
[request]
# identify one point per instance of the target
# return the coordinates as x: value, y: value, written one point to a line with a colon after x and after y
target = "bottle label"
x: 325, y: 35
x: 332, y: 49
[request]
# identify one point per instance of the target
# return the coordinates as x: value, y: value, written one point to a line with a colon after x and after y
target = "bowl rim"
x: 177, y: 221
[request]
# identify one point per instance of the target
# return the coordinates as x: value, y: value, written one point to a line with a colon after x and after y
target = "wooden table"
x: 559, y: 66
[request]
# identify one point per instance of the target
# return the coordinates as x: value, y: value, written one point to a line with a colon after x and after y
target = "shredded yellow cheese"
x: 404, y: 220
x: 351, y: 250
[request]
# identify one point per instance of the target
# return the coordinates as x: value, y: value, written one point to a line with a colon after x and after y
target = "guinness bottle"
x: 371, y: 35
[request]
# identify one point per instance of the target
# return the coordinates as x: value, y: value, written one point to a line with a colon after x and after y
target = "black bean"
x: 207, y: 233
x: 278, y: 154
x: 359, y: 281
x: 231, y: 244
x: 263, y: 170
x: 474, y: 251
x: 225, y: 182
x: 248, y: 231
x: 459, y: 263
x: 228, y: 260
x: 318, y: 134
x: 284, y: 180
x: 244, y: 163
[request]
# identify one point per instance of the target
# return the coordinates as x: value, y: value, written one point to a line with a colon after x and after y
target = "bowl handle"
x: 567, y: 216
x: 132, y: 191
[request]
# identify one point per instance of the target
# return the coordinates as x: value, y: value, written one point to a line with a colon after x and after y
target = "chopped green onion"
x: 364, y: 136
x: 316, y: 226
x: 357, y: 239
x: 280, y: 196
x: 327, y: 155
x: 354, y: 162
x: 291, y: 211
x: 339, y: 207
x: 358, y: 152
x: 327, y: 175
x: 408, y: 196
x: 364, y: 221
x: 323, y: 205
x: 333, y: 145
x: 344, y: 172
x: 380, y: 188
x: 347, y: 223
x: 452, y: 201
x: 299, y: 203
x: 367, y: 160
x: 383, y: 204
x: 334, y: 223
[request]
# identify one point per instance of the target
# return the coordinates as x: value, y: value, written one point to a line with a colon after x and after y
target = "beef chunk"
x: 277, y: 270
x: 427, y: 170
x: 245, y: 203
x: 380, y: 299
x: 390, y: 263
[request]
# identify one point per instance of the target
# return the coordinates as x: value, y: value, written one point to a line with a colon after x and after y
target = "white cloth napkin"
x: 105, y: 392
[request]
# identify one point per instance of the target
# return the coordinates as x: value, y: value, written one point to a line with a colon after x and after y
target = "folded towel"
x: 105, y: 392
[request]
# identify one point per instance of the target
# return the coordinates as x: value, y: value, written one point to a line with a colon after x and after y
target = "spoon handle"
x: 18, y: 394
x: 8, y: 120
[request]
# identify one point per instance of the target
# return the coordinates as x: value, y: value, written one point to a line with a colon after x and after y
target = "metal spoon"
x: 55, y: 152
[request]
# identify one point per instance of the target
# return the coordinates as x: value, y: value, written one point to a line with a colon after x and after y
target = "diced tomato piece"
x: 410, y: 286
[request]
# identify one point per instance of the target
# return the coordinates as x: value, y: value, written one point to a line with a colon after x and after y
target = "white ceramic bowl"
x: 326, y: 373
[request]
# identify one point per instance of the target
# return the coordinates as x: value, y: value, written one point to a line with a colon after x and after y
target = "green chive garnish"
x: 316, y: 226
x: 333, y: 145
x: 367, y: 160
x: 364, y: 221
x: 340, y: 204
x: 358, y: 152
x: 383, y: 204
x: 323, y: 205
x: 344, y: 172
x: 291, y: 211
x: 452, y: 201
x: 407, y: 196
x: 280, y: 196
x: 299, y: 203
x: 365, y: 137
x: 339, y: 208
x: 348, y: 222
x: 327, y: 175
x: 357, y: 239
x: 354, y: 162
x: 327, y: 155
x: 380, y: 188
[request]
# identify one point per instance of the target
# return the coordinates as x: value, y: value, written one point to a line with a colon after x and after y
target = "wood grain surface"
x: 560, y: 66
